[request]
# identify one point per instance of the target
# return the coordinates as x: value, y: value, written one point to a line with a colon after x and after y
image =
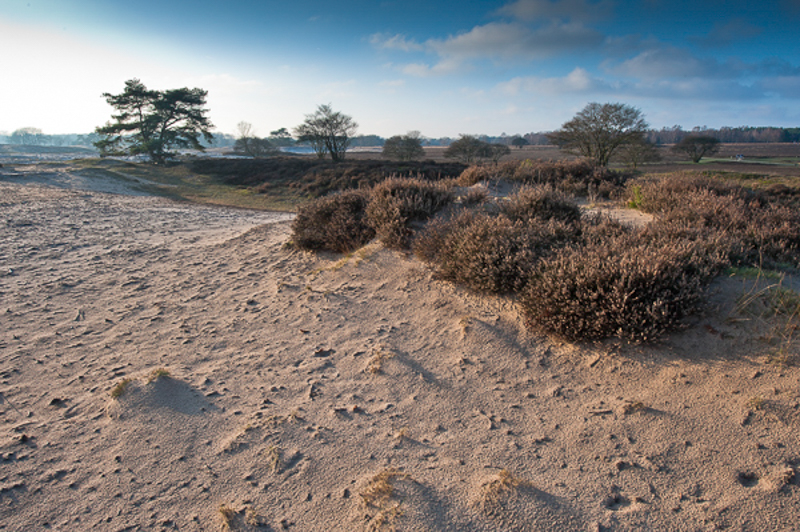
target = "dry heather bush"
x: 661, y: 193
x: 316, y: 177
x: 335, y: 223
x: 396, y: 203
x: 542, y: 203
x: 752, y: 228
x: 489, y: 254
x: 475, y: 197
x: 573, y: 177
x: 481, y: 172
x: 624, y: 287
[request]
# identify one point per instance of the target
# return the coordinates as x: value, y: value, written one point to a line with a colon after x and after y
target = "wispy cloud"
x: 514, y: 40
x: 534, y: 10
x: 783, y: 86
x: 395, y: 42
x: 579, y: 81
x: 444, y: 67
x: 666, y: 62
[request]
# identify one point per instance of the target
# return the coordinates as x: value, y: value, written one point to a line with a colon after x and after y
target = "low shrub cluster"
x: 625, y: 287
x: 581, y: 277
x: 578, y: 178
x: 756, y: 228
x: 317, y: 178
x: 397, y: 203
x: 334, y: 223
x: 489, y: 253
x: 347, y: 220
x: 540, y: 203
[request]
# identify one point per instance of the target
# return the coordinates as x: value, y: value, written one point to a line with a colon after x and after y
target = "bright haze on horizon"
x: 441, y: 67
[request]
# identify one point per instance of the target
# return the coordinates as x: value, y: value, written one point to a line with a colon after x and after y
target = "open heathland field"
x: 176, y: 365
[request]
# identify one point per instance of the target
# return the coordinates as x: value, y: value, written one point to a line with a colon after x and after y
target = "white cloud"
x: 442, y: 68
x: 395, y: 42
x: 579, y: 81
x: 667, y: 62
x: 509, y: 40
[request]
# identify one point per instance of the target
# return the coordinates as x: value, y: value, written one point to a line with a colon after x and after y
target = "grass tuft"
x: 119, y: 390
x: 159, y: 373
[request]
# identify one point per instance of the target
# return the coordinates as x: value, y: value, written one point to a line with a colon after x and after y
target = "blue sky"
x: 443, y: 68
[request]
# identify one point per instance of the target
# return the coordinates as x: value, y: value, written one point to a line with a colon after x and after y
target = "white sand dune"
x: 315, y: 392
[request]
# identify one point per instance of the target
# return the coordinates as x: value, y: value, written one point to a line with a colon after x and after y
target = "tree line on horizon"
x: 151, y: 122
x: 32, y: 136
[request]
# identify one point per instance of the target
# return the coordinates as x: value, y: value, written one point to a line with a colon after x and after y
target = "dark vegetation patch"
x: 757, y: 227
x: 334, y: 223
x: 578, y: 178
x: 315, y: 178
x: 347, y: 220
x: 624, y: 286
x: 577, y: 276
x: 397, y: 203
x: 492, y: 254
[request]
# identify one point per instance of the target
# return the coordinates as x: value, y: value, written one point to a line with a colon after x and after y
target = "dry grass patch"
x: 245, y: 519
x: 379, y: 357
x: 775, y: 311
x: 274, y: 459
x: 119, y: 390
x: 160, y: 373
x: 499, y: 488
x: 379, y: 501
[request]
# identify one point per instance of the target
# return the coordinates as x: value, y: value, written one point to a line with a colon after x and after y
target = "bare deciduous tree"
x: 327, y: 131
x: 404, y: 147
x: 697, y: 146
x: 599, y: 130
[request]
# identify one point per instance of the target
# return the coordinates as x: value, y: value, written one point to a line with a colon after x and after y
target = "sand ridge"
x: 321, y: 392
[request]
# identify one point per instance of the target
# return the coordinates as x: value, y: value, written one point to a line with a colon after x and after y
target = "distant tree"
x: 468, y: 149
x: 495, y: 152
x: 327, y: 131
x: 152, y: 122
x: 367, y: 141
x: 519, y: 142
x: 27, y: 135
x: 404, y: 147
x: 697, y: 146
x: 249, y: 144
x: 599, y: 130
x: 280, y: 137
x: 636, y: 153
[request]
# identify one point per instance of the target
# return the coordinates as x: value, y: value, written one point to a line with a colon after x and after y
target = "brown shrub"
x: 335, y: 223
x: 318, y: 177
x: 532, y: 203
x: 624, y: 287
x: 753, y: 228
x: 489, y: 253
x: 579, y: 178
x: 663, y: 193
x: 396, y: 203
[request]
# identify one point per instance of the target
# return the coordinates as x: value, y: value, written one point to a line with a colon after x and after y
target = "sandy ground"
x: 315, y: 392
